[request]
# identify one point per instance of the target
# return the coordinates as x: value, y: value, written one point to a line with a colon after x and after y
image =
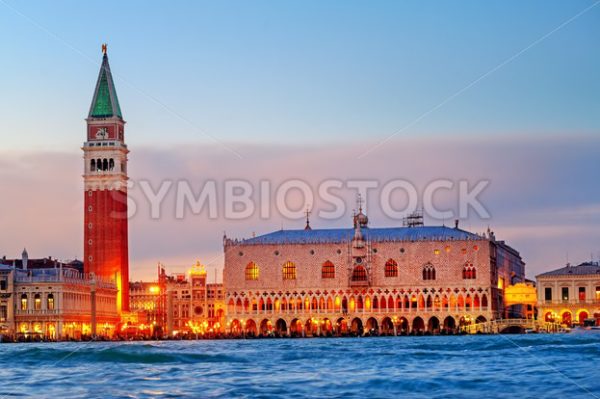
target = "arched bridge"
x: 511, y: 325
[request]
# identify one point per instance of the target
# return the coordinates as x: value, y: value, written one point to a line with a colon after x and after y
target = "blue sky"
x: 301, y: 89
x: 300, y: 71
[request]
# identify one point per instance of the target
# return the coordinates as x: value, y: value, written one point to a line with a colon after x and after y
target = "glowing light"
x: 154, y: 289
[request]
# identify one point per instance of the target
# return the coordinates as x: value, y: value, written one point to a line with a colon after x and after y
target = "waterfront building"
x: 56, y: 303
x: 571, y: 294
x: 106, y: 252
x: 193, y: 305
x: 410, y: 279
x: 179, y: 303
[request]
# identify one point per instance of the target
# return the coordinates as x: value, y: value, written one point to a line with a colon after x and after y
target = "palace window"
x: 565, y: 293
x: 469, y: 272
x: 359, y: 274
x: 548, y: 293
x: 428, y: 272
x: 289, y: 271
x: 50, y: 302
x: 24, y: 302
x: 391, y: 268
x: 3, y: 313
x: 3, y: 285
x: 37, y: 302
x: 328, y: 270
x: 582, y: 294
x: 598, y: 293
x: 252, y: 271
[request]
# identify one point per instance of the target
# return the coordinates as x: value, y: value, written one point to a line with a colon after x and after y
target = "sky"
x: 506, y: 91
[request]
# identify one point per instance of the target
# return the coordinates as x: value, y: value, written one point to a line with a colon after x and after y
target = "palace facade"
x: 570, y: 295
x: 55, y: 304
x: 363, y: 280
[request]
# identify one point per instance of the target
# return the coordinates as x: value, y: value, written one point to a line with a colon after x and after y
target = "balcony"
x: 34, y: 312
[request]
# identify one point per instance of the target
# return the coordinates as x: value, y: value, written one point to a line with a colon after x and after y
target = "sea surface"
x: 500, y: 366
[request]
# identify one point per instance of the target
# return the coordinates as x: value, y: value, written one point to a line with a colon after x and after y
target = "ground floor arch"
x: 266, y: 327
x: 387, y: 326
x: 356, y: 327
x: 567, y: 317
x: 372, y: 326
x: 296, y: 327
x: 281, y: 327
x: 403, y: 325
x: 433, y: 325
x: 341, y: 326
x: 449, y: 324
x: 250, y: 327
x: 418, y: 325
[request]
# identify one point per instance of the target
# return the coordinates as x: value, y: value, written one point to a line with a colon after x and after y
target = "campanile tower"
x: 106, y: 251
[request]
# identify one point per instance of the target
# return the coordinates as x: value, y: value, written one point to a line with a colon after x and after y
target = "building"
x: 41, y: 263
x: 105, y: 179
x: 179, y: 303
x: 56, y: 303
x: 570, y: 295
x: 412, y: 279
x: 144, y: 300
x: 193, y: 305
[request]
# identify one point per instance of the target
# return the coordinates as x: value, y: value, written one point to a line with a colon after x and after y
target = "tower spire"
x: 105, y: 103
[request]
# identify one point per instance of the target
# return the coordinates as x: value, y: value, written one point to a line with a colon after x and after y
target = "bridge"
x: 511, y: 325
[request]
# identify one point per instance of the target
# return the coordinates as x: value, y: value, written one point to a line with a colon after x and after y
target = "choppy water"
x: 467, y: 366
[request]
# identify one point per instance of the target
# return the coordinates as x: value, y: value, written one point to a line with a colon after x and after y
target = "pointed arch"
x: 428, y: 272
x: 328, y: 270
x: 469, y: 271
x: 251, y: 272
x: 391, y: 268
x: 359, y: 273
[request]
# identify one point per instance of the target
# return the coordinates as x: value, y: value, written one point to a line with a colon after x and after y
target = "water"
x: 419, y: 367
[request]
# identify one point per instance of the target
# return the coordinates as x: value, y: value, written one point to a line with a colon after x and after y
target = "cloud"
x: 542, y: 194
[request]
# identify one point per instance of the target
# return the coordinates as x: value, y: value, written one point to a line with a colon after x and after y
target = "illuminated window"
x: 24, y: 302
x: 252, y: 271
x: 37, y: 302
x: 50, y: 302
x: 391, y: 268
x: 289, y: 271
x: 598, y: 293
x: 565, y: 293
x: 469, y: 272
x: 328, y: 270
x: 582, y: 293
x: 429, y: 272
x: 3, y: 313
x: 359, y: 274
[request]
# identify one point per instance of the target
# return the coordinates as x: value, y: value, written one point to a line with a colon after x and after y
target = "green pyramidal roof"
x: 105, y: 103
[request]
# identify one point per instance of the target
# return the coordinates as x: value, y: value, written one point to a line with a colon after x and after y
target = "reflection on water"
x: 465, y: 366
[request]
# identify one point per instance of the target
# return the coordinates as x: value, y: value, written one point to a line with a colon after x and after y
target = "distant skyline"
x: 507, y: 91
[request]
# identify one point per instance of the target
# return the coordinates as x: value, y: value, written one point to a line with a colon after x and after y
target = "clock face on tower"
x: 102, y: 133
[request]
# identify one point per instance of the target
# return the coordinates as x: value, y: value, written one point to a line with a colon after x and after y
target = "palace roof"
x: 417, y: 233
x: 584, y: 269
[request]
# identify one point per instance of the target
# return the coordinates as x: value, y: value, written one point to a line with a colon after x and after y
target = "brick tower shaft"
x: 106, y: 250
